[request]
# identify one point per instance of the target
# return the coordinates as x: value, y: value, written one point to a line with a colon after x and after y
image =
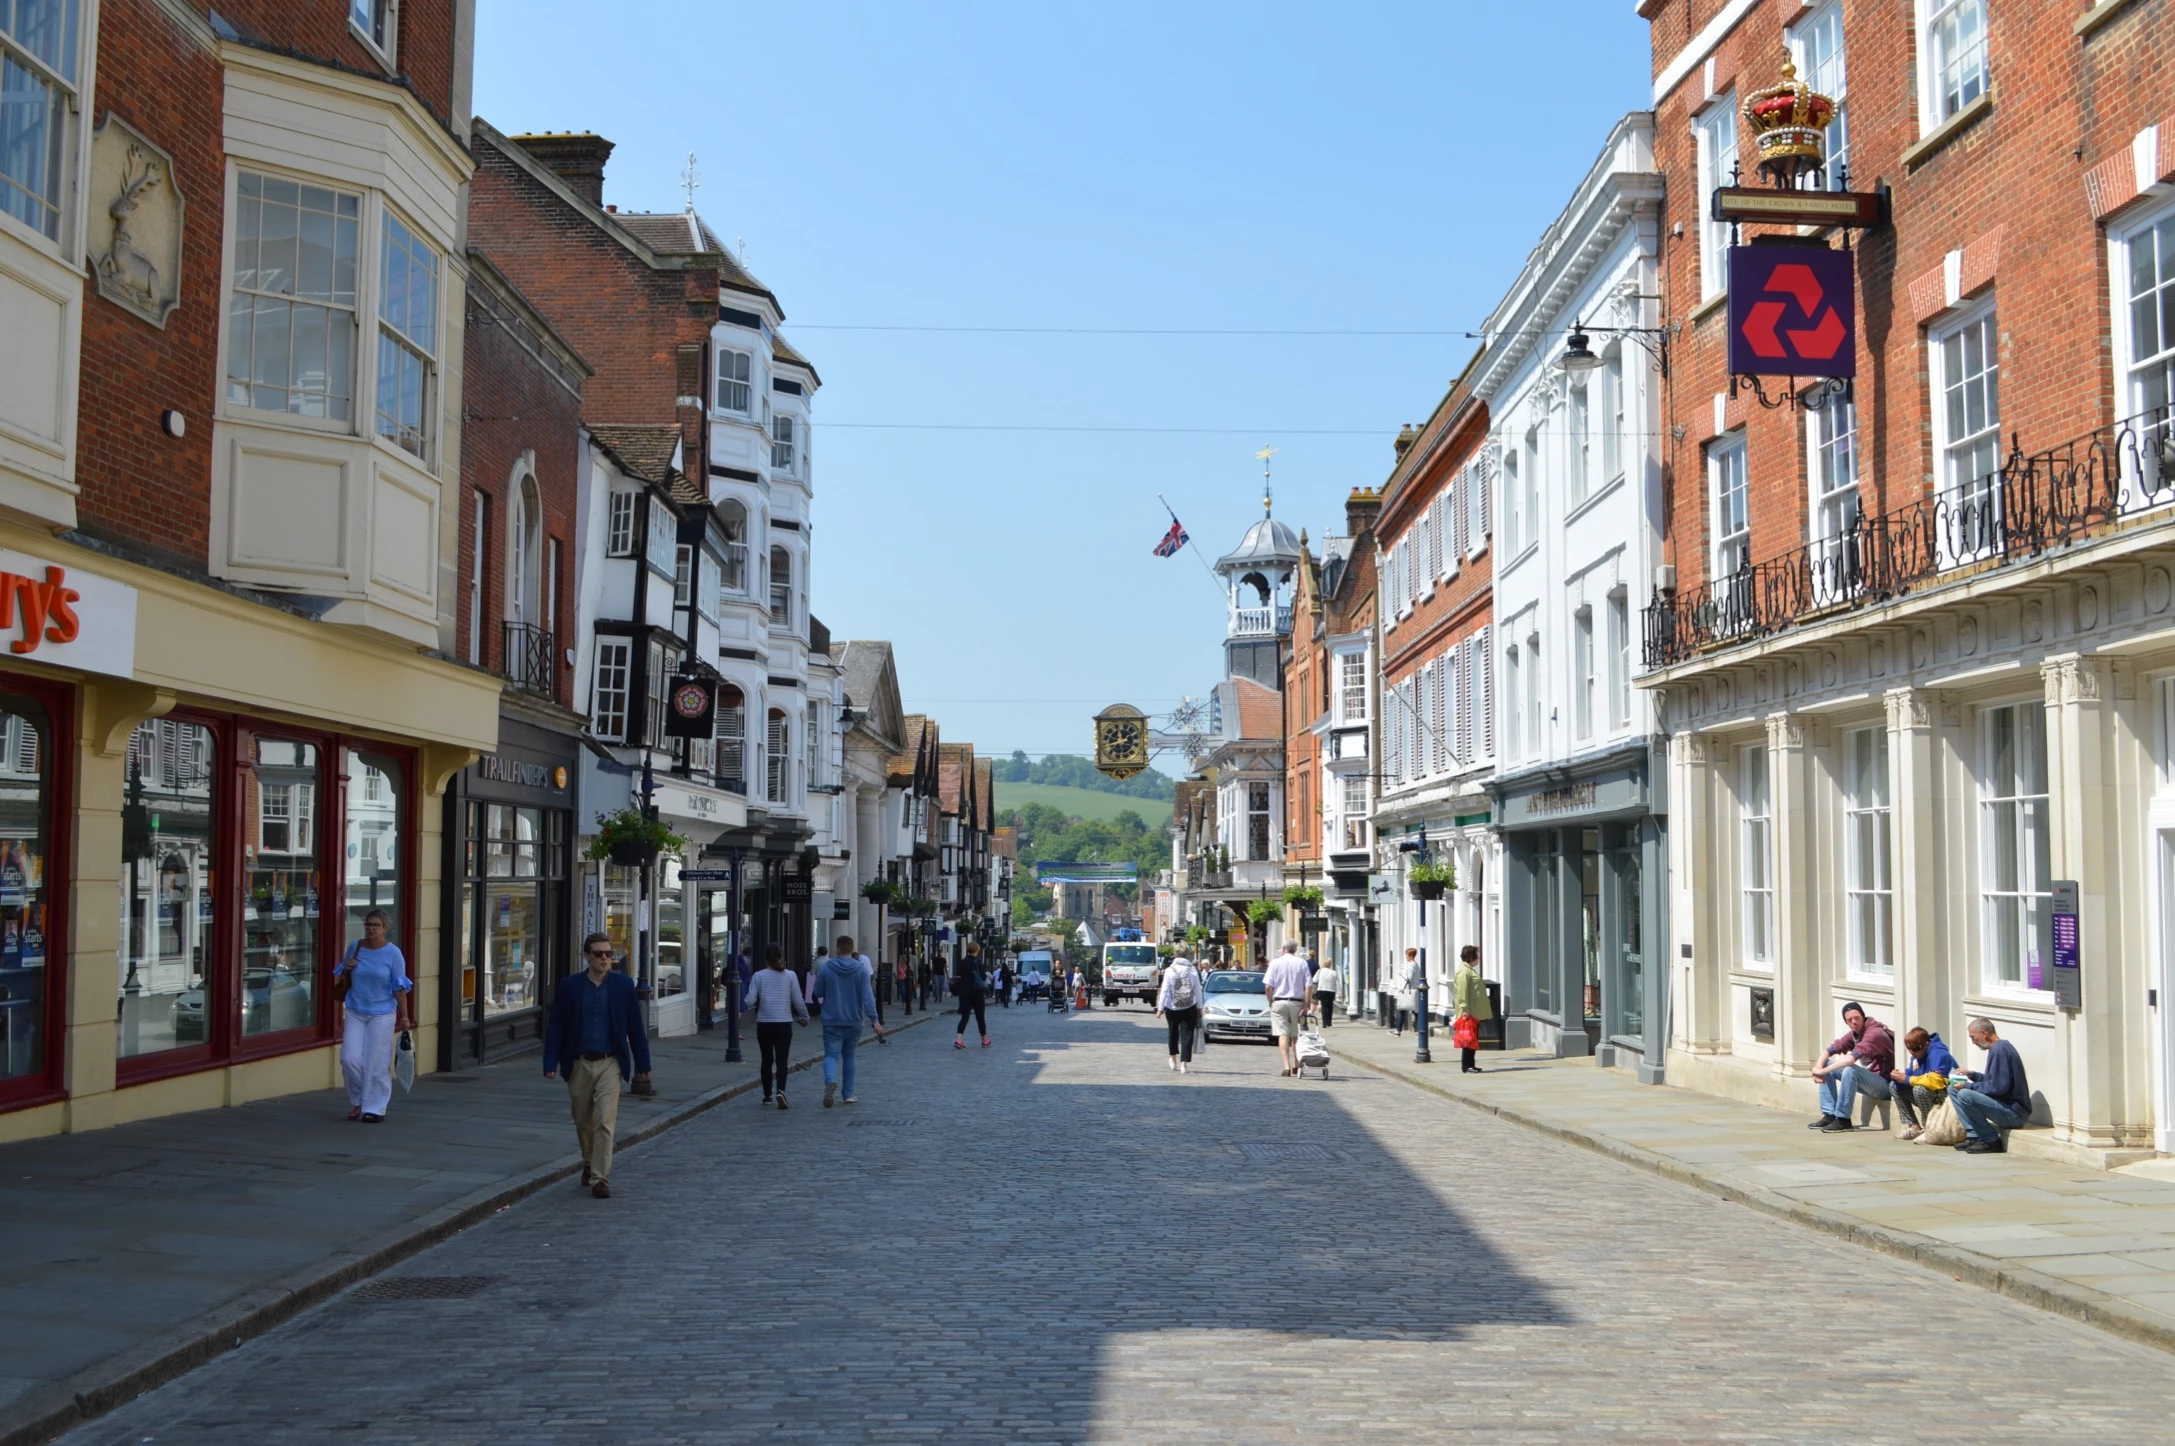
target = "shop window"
x: 672, y: 960
x: 169, y: 854
x: 2014, y: 844
x: 1869, y: 875
x: 508, y: 845
x: 376, y: 791
x: 282, y: 898
x: 28, y: 938
x: 1755, y: 865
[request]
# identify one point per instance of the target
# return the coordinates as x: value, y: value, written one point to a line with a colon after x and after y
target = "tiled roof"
x: 985, y: 794
x: 643, y: 450
x: 948, y: 779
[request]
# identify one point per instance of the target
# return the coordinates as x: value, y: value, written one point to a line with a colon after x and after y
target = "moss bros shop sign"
x: 52, y: 613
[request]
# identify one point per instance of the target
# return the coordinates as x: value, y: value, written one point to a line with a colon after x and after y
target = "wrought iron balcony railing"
x: 526, y: 658
x: 2035, y: 503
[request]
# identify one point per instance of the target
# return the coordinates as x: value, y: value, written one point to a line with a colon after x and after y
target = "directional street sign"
x: 1792, y: 312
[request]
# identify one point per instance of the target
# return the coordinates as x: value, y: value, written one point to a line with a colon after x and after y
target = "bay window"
x: 38, y: 95
x: 291, y: 319
x: 407, y: 336
x: 732, y: 381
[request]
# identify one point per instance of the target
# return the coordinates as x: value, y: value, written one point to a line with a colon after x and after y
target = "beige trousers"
x: 593, y: 1087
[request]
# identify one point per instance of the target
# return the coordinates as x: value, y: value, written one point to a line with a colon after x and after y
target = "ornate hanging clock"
x: 1121, y: 740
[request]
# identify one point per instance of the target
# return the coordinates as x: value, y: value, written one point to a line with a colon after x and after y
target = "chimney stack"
x: 1405, y: 438
x: 1361, y: 509
x: 577, y: 157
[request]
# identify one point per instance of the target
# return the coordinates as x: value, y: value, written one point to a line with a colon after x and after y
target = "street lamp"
x: 1419, y: 992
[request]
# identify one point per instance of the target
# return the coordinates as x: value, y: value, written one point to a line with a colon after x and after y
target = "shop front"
x: 201, y: 796
x: 510, y: 904
x: 1583, y: 859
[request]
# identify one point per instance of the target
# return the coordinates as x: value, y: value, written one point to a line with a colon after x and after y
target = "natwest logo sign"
x: 73, y: 619
x: 1793, y: 312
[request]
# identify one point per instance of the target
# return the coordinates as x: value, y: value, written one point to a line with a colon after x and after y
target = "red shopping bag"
x: 1465, y: 1033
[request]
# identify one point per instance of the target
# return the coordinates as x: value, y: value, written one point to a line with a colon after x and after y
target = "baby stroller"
x: 1313, y: 1052
x: 1056, y: 995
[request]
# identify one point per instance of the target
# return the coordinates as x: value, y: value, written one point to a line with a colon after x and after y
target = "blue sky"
x: 1186, y: 167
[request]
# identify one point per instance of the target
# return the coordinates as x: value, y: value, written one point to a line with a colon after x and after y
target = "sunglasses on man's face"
x: 600, y: 953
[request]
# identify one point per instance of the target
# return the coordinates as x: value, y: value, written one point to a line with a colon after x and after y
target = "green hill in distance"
x: 1082, y: 802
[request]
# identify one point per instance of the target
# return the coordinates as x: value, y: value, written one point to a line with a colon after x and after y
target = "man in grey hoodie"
x: 841, y: 989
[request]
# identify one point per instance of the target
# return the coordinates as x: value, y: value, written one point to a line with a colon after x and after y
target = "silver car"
x: 1237, y: 1006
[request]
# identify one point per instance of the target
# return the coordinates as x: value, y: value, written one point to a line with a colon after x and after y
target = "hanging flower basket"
x: 1304, y: 897
x: 1430, y: 880
x: 631, y: 838
x: 883, y: 892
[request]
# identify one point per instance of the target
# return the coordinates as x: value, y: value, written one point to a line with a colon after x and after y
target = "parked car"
x: 1236, y: 1006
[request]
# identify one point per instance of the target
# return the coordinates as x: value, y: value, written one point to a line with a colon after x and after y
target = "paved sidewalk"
x: 2092, y: 1245
x: 136, y: 1253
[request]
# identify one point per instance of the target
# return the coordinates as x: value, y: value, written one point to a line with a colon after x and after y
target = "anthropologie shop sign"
x: 67, y: 617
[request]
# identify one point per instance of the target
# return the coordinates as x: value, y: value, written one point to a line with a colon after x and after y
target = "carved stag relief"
x: 140, y: 268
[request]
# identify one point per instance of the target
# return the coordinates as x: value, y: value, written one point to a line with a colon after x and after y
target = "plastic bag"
x: 1465, y: 1034
x: 1944, y: 1126
x: 404, y: 1060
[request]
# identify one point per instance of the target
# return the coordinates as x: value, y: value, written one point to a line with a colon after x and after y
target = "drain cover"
x: 1266, y: 1152
x: 424, y: 1287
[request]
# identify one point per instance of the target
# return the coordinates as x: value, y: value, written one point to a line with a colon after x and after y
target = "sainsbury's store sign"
x: 72, y: 619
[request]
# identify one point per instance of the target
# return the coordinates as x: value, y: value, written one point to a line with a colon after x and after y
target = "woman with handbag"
x: 373, y: 987
x: 1469, y: 1000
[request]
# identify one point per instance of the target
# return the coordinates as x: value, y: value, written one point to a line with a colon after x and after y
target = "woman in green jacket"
x: 1469, y: 998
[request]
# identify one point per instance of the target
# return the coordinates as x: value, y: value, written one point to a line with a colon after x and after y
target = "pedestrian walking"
x: 1003, y: 985
x: 967, y: 984
x: 775, y: 996
x: 598, y: 1035
x: 1179, y: 1004
x: 843, y: 992
x: 906, y: 988
x: 1469, y: 1000
x: 1408, y: 989
x: 376, y: 1001
x: 1325, y: 994
x: 1286, y: 982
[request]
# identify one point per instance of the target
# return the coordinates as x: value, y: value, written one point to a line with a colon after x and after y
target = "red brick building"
x: 230, y: 436
x: 1911, y: 644
x: 1436, y: 719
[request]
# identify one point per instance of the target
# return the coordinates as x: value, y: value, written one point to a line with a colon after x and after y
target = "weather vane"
x: 690, y: 178
x: 1264, y: 455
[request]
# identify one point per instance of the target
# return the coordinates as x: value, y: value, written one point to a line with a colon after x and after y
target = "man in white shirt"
x: 1286, y: 983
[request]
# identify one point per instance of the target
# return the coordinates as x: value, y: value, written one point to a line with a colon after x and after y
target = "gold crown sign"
x: 1789, y: 120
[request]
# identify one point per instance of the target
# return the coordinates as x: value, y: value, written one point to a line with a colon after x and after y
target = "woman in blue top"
x: 378, y: 994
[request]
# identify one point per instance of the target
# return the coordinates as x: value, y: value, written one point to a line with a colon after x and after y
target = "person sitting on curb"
x: 1997, y: 1098
x: 1860, y: 1059
x: 1920, y: 1081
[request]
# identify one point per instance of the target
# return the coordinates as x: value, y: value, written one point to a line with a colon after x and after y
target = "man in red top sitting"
x: 1859, y: 1059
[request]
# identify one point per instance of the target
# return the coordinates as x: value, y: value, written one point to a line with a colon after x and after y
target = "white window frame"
x: 1614, y: 405
x: 1513, y: 495
x: 1353, y: 811
x: 1479, y: 515
x: 609, y: 684
x: 1578, y: 424
x: 1536, y: 738
x: 619, y: 531
x: 1975, y: 526
x: 67, y: 82
x: 783, y: 430
x: 1821, y: 53
x: 1715, y: 136
x: 376, y: 23
x: 777, y: 756
x: 2005, y: 823
x: 1729, y: 484
x: 357, y: 309
x: 478, y: 556
x: 403, y: 346
x: 683, y: 579
x: 1620, y: 661
x: 1756, y: 857
x: 1514, y: 702
x: 2146, y: 379
x: 734, y: 391
x: 1351, y: 687
x: 1584, y: 684
x: 1869, y: 853
x: 1530, y: 481
x: 1955, y: 66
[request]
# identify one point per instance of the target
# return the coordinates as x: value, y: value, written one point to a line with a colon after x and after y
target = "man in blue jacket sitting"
x: 1997, y: 1099
x: 597, y: 1032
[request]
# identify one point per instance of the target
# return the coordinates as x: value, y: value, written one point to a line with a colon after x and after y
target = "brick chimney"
x: 577, y: 157
x: 1406, y: 438
x: 1361, y: 509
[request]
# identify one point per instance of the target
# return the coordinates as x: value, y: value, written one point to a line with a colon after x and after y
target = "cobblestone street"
x: 1057, y: 1240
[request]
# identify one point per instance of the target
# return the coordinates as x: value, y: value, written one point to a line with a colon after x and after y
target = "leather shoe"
x: 1985, y: 1147
x: 602, y: 1190
x: 587, y: 1178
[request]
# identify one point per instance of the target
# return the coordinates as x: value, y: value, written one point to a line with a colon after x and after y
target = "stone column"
x: 1695, y: 805
x: 1914, y: 800
x: 2102, y: 1095
x: 1795, y: 836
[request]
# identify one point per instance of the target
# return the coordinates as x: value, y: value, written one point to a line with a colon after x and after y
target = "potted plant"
x: 1306, y: 898
x: 882, y: 893
x: 631, y: 837
x: 1429, y: 879
x: 1263, y: 912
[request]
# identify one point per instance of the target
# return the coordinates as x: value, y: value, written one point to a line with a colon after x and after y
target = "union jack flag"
x: 1172, y: 540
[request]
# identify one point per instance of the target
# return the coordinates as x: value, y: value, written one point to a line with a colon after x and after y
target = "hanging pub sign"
x: 1121, y: 740
x: 691, y: 707
x: 1792, y: 312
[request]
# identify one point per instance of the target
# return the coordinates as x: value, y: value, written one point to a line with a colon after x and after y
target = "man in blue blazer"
x: 598, y: 1036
